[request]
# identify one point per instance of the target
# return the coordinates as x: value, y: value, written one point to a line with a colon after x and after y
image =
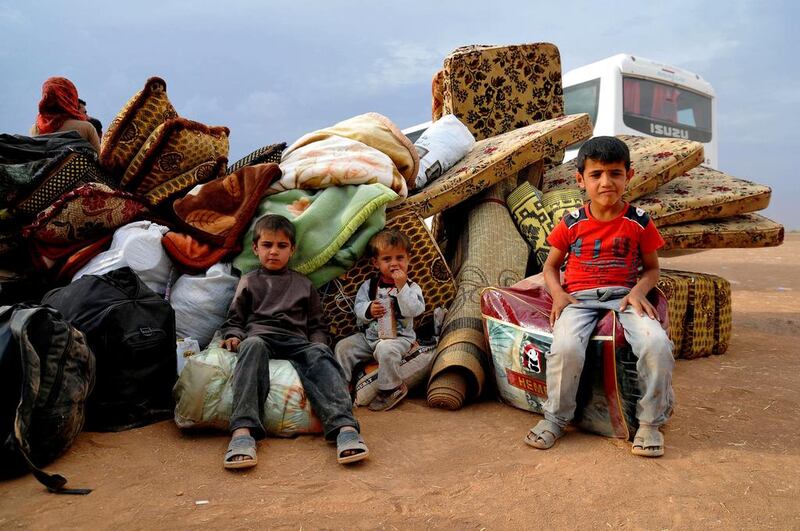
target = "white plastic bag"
x: 443, y: 144
x: 201, y: 302
x: 136, y: 245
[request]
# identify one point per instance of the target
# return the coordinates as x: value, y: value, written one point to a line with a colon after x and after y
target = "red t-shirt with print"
x: 604, y: 253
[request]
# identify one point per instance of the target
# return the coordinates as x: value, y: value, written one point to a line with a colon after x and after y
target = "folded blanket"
x: 337, y: 161
x: 327, y: 224
x: 376, y: 131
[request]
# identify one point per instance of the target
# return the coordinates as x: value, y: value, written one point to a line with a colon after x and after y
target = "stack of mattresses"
x: 695, y: 207
x: 510, y: 98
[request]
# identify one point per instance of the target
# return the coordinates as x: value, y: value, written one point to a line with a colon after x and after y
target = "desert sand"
x: 732, y: 453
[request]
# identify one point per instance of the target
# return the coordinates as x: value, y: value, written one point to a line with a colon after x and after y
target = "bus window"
x: 582, y: 98
x: 663, y: 110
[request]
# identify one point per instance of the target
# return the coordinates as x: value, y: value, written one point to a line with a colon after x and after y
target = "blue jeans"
x: 319, y: 373
x: 649, y: 342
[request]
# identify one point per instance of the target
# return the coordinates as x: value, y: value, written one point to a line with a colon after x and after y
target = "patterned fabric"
x: 81, y: 216
x: 655, y: 161
x: 676, y: 291
x: 270, y: 153
x: 74, y: 170
x: 490, y: 252
x: 493, y: 159
x: 437, y: 96
x: 496, y: 89
x: 427, y: 268
x: 217, y: 216
x: 178, y: 155
x: 559, y: 202
x: 747, y: 230
x: 698, y: 339
x: 375, y: 131
x: 146, y: 110
x: 531, y: 218
x: 703, y: 193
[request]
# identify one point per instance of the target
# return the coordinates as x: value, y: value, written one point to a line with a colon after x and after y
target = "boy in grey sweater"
x: 385, y: 307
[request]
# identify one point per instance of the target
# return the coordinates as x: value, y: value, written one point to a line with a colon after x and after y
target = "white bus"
x: 626, y: 94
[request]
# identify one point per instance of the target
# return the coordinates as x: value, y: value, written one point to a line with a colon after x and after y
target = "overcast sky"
x: 272, y: 71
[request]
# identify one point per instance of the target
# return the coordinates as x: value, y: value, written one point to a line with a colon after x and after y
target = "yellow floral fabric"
x: 746, y: 230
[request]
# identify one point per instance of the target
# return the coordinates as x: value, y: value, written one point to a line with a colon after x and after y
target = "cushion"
x: 376, y: 131
x: 519, y: 337
x: 493, y: 159
x: 427, y: 268
x: 676, y: 291
x: 437, y: 97
x: 177, y: 155
x: 270, y: 153
x: 204, y: 396
x: 531, y: 218
x: 332, y: 227
x: 655, y: 161
x: 440, y: 146
x: 703, y: 193
x: 127, y: 133
x: 81, y: 216
x: 557, y: 203
x: 492, y: 253
x: 496, y: 89
x: 746, y: 230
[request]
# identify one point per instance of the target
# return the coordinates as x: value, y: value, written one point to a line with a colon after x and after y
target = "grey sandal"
x: 350, y: 441
x: 544, y: 435
x: 244, y: 445
x: 648, y: 442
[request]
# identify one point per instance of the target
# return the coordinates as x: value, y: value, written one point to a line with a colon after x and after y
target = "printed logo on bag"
x: 531, y: 358
x: 529, y: 384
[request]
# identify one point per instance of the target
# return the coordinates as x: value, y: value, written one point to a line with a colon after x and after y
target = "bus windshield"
x: 582, y: 98
x: 659, y: 109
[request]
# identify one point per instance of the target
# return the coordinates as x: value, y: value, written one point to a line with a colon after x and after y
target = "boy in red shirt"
x: 605, y: 242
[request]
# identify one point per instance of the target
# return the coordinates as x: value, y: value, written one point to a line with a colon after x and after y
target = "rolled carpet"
x: 491, y: 253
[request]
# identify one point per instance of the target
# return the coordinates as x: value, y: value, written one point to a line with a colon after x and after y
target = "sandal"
x: 544, y: 435
x: 386, y: 400
x: 648, y: 442
x: 350, y: 441
x: 245, y: 446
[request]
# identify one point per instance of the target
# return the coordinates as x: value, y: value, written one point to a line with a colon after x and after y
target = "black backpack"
x: 131, y: 331
x: 46, y: 373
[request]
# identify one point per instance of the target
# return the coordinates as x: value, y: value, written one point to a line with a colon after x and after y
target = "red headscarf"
x: 59, y: 103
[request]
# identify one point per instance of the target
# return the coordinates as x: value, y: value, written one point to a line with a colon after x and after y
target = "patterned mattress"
x: 746, y: 230
x: 703, y: 193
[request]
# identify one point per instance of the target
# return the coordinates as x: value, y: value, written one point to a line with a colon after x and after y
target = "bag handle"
x: 54, y: 482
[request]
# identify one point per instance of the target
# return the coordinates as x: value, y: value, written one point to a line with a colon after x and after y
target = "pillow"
x: 177, y: 155
x: 655, y: 161
x: 496, y: 89
x: 494, y: 159
x: 127, y: 133
x: 746, y: 230
x: 703, y: 193
x: 440, y: 146
x: 426, y: 267
x: 531, y: 218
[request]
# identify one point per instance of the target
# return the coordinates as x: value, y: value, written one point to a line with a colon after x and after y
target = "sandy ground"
x: 732, y: 460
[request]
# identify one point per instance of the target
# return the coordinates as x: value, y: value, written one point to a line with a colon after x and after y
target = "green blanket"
x: 333, y: 227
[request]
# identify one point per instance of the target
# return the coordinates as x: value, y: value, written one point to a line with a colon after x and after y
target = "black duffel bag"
x: 131, y: 331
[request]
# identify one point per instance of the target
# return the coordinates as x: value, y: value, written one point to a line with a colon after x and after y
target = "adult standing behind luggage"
x: 59, y: 110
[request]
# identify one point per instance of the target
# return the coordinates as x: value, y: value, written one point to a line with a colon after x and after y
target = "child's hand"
x: 376, y: 309
x: 560, y: 301
x: 639, y: 303
x: 400, y: 278
x: 232, y: 344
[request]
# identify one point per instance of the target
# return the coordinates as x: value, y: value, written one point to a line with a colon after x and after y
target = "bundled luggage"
x: 46, y: 373
x: 131, y: 330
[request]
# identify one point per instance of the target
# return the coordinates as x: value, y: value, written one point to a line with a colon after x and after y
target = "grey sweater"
x: 275, y: 302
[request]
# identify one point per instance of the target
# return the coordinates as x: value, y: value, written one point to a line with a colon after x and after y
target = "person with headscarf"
x: 59, y: 110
